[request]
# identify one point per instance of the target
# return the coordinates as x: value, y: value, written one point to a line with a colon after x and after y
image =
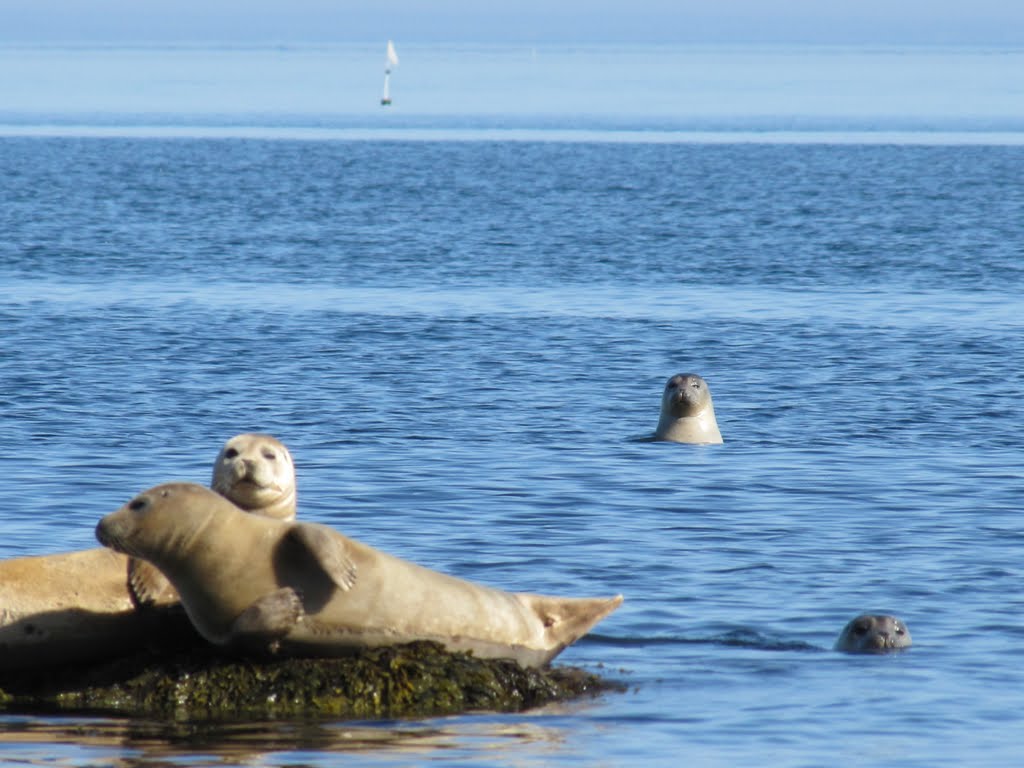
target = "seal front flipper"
x: 267, y: 619
x: 147, y: 586
x: 328, y: 550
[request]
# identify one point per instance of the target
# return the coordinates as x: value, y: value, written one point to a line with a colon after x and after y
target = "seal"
x: 253, y: 470
x: 82, y: 606
x: 304, y: 589
x: 687, y: 413
x: 65, y: 608
x: 873, y: 633
x: 257, y: 473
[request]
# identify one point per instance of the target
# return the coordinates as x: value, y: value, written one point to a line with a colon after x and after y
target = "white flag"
x: 392, y: 56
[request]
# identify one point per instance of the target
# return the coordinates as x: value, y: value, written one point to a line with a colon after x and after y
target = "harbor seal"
x: 687, y: 413
x: 65, y: 608
x: 873, y: 633
x: 253, y: 470
x: 257, y: 473
x: 305, y: 589
x: 83, y: 606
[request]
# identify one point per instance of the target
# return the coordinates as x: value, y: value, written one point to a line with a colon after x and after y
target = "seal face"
x: 687, y: 413
x: 257, y: 473
x: 305, y: 589
x: 873, y: 633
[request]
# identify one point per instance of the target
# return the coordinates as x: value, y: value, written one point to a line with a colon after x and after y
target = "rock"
x: 200, y: 682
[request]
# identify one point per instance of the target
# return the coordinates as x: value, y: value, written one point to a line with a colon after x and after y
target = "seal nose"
x: 106, y: 534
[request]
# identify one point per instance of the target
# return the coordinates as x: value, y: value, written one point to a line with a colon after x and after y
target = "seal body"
x: 306, y: 589
x: 68, y: 607
x: 687, y: 413
x: 873, y: 633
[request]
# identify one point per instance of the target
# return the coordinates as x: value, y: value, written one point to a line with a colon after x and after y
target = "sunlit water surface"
x: 461, y: 342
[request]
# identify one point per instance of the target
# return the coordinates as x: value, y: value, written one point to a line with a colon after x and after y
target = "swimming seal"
x: 305, y: 589
x: 253, y: 470
x: 687, y: 413
x: 873, y: 633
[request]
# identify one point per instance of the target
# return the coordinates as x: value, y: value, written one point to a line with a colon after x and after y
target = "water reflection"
x: 125, y: 742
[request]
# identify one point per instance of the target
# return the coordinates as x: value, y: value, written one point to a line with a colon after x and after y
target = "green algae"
x: 201, y: 683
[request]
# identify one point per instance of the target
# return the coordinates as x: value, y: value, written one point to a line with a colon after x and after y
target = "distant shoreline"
x: 158, y: 130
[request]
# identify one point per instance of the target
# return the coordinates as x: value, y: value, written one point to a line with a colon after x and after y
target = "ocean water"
x: 459, y: 316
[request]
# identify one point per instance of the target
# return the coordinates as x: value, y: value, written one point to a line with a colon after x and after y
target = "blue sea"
x: 459, y: 313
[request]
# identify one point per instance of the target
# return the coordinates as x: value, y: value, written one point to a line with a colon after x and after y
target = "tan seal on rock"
x: 256, y: 472
x: 305, y: 589
x: 64, y: 608
x: 873, y: 633
x: 687, y: 413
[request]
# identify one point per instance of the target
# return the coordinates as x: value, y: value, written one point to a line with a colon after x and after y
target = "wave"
x: 737, y: 638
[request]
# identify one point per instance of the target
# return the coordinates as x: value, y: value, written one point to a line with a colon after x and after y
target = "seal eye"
x: 137, y: 505
x: 861, y: 627
x: 270, y: 456
x: 230, y: 453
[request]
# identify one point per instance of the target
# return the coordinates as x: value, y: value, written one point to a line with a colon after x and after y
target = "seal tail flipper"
x: 567, y: 619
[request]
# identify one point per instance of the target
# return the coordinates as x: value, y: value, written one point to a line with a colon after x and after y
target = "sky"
x: 921, y: 22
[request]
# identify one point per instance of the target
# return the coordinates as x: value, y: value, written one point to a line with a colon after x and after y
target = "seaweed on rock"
x: 418, y: 679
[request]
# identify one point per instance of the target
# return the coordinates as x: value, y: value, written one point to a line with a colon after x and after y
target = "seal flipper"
x: 328, y: 550
x: 147, y: 586
x: 267, y: 619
